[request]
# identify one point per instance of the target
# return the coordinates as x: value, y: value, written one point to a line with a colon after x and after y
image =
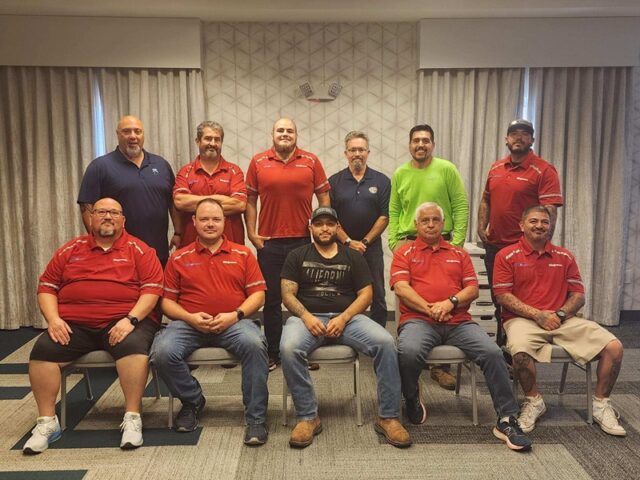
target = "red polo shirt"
x: 201, y: 281
x: 542, y: 281
x: 94, y: 286
x: 511, y: 188
x: 286, y: 191
x: 227, y: 180
x: 435, y: 274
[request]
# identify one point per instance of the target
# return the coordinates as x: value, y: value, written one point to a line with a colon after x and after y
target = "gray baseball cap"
x: 520, y: 124
x: 324, y: 212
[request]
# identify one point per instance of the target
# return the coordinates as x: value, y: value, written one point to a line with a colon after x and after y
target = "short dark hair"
x: 208, y: 200
x: 535, y: 208
x: 423, y: 127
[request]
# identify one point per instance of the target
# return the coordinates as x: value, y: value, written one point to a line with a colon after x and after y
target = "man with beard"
x: 436, y: 283
x: 514, y: 183
x: 539, y: 287
x: 211, y: 176
x: 326, y: 286
x: 211, y: 285
x: 360, y: 196
x: 97, y: 293
x: 285, y: 178
x: 427, y: 179
x: 141, y: 181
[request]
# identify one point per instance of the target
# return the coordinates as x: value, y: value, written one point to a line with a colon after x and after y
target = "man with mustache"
x: 97, y: 293
x: 141, y: 181
x: 514, y: 183
x: 360, y: 196
x: 211, y: 176
x: 326, y: 287
x: 285, y: 178
x: 427, y: 178
x: 539, y: 287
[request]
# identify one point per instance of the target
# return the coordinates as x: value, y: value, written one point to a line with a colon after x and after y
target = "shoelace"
x: 513, y: 423
x: 610, y: 413
x: 45, y: 429
x: 528, y: 410
x: 130, y: 424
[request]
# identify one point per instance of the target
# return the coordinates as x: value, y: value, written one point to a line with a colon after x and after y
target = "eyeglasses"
x: 101, y: 212
x: 357, y: 150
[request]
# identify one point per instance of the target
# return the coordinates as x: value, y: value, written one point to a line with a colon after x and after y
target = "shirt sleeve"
x: 549, y: 192
x: 384, y: 195
x: 171, y: 281
x: 320, y: 182
x: 181, y: 184
x: 361, y: 273
x: 502, y: 274
x: 254, y: 281
x: 90, y: 188
x: 469, y: 277
x: 252, y: 179
x: 394, y: 213
x: 237, y: 185
x: 51, y: 279
x: 459, y: 207
x: 290, y: 269
x: 574, y: 280
x: 400, y: 266
x: 149, y: 273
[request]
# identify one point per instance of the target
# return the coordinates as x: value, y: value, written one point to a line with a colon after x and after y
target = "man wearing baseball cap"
x: 326, y: 286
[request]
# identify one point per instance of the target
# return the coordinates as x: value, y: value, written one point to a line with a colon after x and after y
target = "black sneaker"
x: 187, y: 418
x: 511, y: 433
x: 273, y: 363
x: 256, y: 435
x: 416, y: 411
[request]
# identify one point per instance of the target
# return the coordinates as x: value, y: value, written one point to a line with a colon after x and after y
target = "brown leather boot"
x: 303, y: 433
x: 444, y: 378
x: 393, y: 431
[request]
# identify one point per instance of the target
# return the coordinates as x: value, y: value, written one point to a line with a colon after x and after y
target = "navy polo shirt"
x: 145, y: 194
x: 360, y: 204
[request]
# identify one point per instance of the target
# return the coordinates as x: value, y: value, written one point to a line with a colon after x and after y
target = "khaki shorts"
x: 582, y: 339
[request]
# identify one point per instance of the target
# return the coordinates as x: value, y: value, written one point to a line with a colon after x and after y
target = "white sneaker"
x: 606, y: 416
x: 532, y: 409
x: 47, y: 431
x: 131, y: 427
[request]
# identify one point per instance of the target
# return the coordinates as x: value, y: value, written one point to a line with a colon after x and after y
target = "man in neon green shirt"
x: 427, y: 179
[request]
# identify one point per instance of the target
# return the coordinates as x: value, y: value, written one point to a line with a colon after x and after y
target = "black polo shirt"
x: 145, y: 194
x: 360, y: 204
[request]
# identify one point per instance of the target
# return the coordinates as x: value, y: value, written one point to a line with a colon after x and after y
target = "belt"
x: 446, y: 236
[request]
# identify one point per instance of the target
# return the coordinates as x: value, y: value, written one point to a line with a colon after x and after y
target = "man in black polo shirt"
x: 140, y: 181
x: 360, y: 196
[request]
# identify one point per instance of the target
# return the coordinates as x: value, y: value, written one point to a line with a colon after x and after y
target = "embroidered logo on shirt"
x: 373, y: 190
x: 155, y: 171
x: 192, y: 264
x: 555, y: 265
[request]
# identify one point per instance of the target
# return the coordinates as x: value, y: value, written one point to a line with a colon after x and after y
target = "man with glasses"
x: 97, y: 293
x: 427, y: 179
x: 360, y: 196
x: 141, y: 181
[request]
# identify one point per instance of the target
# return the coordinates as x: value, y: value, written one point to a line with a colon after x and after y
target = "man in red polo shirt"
x: 285, y: 178
x: 211, y: 176
x: 436, y: 283
x: 211, y: 285
x: 538, y: 285
x: 97, y: 293
x: 514, y: 183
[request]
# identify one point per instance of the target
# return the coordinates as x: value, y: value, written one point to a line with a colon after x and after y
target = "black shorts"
x: 85, y: 340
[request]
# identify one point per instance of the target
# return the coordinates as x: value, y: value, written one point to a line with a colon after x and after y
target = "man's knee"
x: 521, y: 361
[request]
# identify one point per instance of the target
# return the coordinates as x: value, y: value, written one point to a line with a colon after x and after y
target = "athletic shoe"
x: 131, y: 427
x: 416, y: 411
x: 256, y: 435
x: 532, y: 409
x: 607, y: 417
x: 187, y: 418
x: 46, y: 431
x: 273, y: 363
x: 510, y: 433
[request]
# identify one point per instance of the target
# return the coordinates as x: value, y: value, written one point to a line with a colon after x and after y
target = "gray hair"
x: 426, y: 205
x: 209, y: 124
x: 355, y: 134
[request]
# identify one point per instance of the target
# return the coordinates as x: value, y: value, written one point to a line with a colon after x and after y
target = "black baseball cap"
x: 324, y: 212
x: 520, y: 124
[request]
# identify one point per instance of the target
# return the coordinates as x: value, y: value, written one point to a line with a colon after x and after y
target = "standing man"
x: 436, y: 283
x: 285, y: 178
x: 539, y: 287
x: 211, y: 285
x: 326, y: 287
x: 97, y: 293
x: 211, y: 176
x: 515, y: 183
x: 427, y: 179
x: 141, y: 181
x: 360, y: 196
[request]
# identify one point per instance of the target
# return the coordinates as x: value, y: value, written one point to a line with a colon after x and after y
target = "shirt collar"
x: 225, y: 247
x: 422, y: 245
x: 528, y: 249
x: 145, y: 158
x: 271, y: 154
x: 524, y: 164
x: 223, y: 165
x: 117, y: 245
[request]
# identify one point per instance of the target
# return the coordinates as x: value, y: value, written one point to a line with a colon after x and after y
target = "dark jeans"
x: 271, y: 259
x: 490, y: 252
x: 375, y: 260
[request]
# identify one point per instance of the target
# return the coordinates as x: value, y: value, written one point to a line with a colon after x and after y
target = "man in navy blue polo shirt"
x: 140, y: 181
x: 360, y: 196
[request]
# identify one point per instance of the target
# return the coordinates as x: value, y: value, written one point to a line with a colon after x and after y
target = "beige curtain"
x: 580, y: 127
x: 48, y: 120
x: 469, y: 111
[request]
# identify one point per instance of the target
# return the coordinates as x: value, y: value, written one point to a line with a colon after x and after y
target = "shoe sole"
x: 532, y: 427
x: 187, y: 430
x: 295, y: 444
x: 54, y: 438
x: 615, y: 433
x: 382, y: 432
x: 254, y: 442
x: 130, y: 446
x: 518, y: 448
x: 425, y: 414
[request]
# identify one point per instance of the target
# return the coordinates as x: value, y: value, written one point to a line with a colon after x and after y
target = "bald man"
x: 143, y: 184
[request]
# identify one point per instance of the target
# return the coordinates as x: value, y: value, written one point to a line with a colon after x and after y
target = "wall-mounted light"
x: 332, y: 92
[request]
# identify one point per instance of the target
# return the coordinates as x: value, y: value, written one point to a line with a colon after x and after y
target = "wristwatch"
x: 365, y: 242
x: 453, y: 299
x: 562, y: 315
x: 240, y: 314
x: 134, y: 320
x: 347, y: 242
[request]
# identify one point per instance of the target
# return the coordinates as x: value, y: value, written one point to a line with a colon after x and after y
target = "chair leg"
x: 63, y: 400
x: 458, y: 378
x: 474, y: 394
x: 589, y: 394
x: 563, y: 378
x: 284, y: 401
x: 355, y: 383
x: 87, y: 382
x: 356, y: 366
x: 170, y: 420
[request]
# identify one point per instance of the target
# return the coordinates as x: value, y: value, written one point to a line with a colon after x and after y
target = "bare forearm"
x: 411, y: 298
x: 186, y: 202
x: 553, y: 216
x: 483, y: 217
x: 251, y: 215
x: 360, y: 304
x: 516, y: 306
x: 574, y: 302
x: 467, y: 295
x: 144, y: 306
x: 323, y: 199
x: 376, y: 230
x: 85, y: 210
x: 176, y: 219
x: 175, y: 311
x: 48, y: 304
x: 294, y: 305
x: 252, y: 303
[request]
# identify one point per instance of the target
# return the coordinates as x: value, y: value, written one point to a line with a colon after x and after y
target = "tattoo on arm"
x: 289, y: 289
x: 514, y: 305
x: 86, y: 207
x: 574, y: 302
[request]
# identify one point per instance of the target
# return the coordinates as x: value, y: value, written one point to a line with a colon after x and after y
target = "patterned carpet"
x: 447, y: 446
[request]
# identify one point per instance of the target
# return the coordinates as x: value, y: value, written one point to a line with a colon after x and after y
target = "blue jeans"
x: 363, y: 335
x: 244, y: 340
x: 416, y: 338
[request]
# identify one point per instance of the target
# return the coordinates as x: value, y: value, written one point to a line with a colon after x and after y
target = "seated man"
x: 326, y: 286
x: 539, y: 287
x: 96, y: 293
x: 211, y: 285
x: 435, y: 283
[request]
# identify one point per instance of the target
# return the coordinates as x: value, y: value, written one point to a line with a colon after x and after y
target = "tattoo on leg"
x: 522, y: 371
x: 612, y: 377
